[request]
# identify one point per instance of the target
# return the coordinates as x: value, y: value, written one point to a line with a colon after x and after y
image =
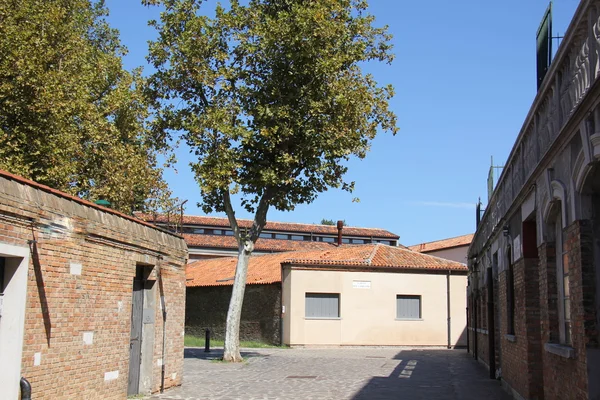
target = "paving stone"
x: 338, y: 373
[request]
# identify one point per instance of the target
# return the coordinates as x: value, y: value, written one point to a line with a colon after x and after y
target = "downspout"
x: 467, y: 310
x: 468, y: 327
x: 448, y: 309
x: 25, y: 389
x: 491, y: 324
x: 164, y: 327
x: 475, y: 314
x: 281, y: 310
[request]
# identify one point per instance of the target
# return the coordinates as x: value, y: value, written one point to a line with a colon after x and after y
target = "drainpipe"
x: 448, y: 310
x: 491, y: 324
x: 475, y: 335
x: 281, y: 313
x: 340, y: 226
x: 468, y: 327
x: 25, y: 389
x: 164, y: 338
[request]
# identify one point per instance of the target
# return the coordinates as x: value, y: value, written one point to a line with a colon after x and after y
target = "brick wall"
x: 478, y: 333
x: 522, y: 351
x: 207, y: 308
x: 566, y: 378
x: 63, y: 234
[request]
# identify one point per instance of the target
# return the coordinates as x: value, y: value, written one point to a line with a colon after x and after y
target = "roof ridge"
x: 445, y: 260
x: 282, y: 222
x: 376, y: 247
x: 440, y: 240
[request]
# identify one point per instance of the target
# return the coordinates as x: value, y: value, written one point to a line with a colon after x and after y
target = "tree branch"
x: 231, y: 217
x: 260, y: 218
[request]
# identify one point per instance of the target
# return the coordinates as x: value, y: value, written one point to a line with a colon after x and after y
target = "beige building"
x: 369, y: 294
x: 454, y: 249
x: 373, y: 295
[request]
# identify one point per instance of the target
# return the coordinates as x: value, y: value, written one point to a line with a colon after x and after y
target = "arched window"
x: 562, y: 281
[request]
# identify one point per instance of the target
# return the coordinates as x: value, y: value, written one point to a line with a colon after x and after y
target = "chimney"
x: 340, y: 226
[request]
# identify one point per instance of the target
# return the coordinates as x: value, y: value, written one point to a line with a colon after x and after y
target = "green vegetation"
x: 271, y: 97
x: 71, y: 117
x: 194, y: 341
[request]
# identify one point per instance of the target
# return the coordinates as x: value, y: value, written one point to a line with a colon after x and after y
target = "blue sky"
x: 464, y: 76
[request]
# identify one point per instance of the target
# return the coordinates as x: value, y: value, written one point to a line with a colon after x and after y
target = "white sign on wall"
x: 361, y: 284
x: 516, y: 250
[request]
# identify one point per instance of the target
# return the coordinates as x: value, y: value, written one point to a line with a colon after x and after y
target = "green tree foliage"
x: 325, y: 221
x: 70, y: 116
x: 272, y: 100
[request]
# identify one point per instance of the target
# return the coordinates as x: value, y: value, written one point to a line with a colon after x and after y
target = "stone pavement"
x: 340, y: 373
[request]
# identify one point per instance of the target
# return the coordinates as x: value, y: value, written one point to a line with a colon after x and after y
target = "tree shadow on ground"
x: 432, y: 374
x: 216, y: 353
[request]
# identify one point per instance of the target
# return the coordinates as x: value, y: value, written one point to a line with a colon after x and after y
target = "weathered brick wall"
x: 478, y: 333
x: 61, y: 306
x: 566, y: 378
x: 522, y: 351
x: 207, y: 308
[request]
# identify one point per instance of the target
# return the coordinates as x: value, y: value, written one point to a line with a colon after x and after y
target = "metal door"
x: 135, y: 343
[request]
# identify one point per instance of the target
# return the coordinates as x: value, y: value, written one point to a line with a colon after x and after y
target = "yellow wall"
x: 368, y: 316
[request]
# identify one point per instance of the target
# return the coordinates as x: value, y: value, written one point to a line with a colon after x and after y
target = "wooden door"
x: 135, y: 343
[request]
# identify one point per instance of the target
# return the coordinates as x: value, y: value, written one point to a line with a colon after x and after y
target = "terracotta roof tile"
x: 267, y: 268
x: 463, y: 240
x: 228, y: 242
x: 275, y: 226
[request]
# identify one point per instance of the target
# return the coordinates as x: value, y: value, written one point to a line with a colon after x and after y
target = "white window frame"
x: 562, y: 279
x: 417, y: 296
x: 307, y: 295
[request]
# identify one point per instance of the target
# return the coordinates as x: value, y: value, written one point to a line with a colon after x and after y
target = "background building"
x: 454, y: 249
x: 348, y: 295
x: 209, y: 237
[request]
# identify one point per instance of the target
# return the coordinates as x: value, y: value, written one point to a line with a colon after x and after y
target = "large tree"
x: 272, y: 100
x: 71, y: 117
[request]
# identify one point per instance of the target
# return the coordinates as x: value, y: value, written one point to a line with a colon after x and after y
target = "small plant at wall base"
x: 272, y: 101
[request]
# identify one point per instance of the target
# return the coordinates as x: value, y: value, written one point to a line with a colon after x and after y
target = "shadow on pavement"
x: 433, y: 374
x: 216, y: 353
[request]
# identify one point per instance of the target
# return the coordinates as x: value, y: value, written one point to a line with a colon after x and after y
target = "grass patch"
x: 195, y: 341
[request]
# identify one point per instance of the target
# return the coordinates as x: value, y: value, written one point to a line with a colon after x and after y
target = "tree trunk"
x: 234, y: 313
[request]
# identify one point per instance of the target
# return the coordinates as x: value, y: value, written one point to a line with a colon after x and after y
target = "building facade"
x: 454, y: 249
x: 81, y: 285
x: 534, y: 261
x: 348, y: 295
x: 209, y: 237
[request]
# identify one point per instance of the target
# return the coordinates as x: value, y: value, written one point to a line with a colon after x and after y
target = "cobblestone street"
x: 348, y: 373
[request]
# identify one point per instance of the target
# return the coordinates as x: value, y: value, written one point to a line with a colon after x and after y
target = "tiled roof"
x: 267, y: 268
x: 228, y: 242
x: 463, y: 240
x: 58, y: 193
x: 275, y: 226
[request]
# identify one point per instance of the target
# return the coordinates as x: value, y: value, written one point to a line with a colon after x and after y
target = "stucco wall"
x: 458, y: 254
x: 368, y: 316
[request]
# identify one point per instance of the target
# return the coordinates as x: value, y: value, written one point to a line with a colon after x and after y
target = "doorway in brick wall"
x: 14, y: 262
x: 135, y: 341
